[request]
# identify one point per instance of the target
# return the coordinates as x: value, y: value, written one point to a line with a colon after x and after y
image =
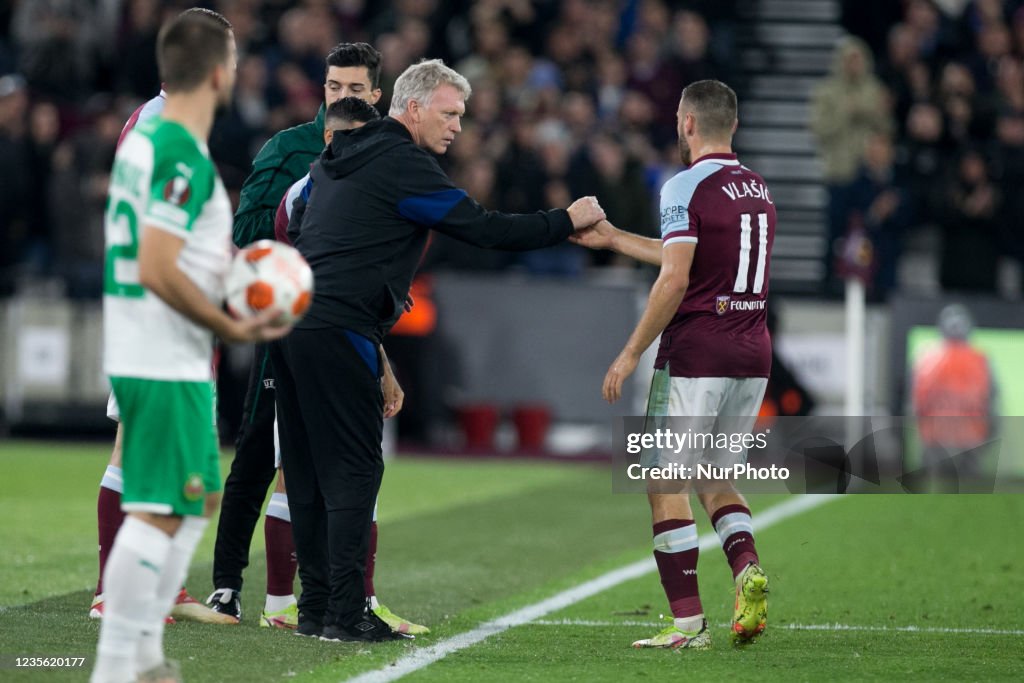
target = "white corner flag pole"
x: 855, y: 363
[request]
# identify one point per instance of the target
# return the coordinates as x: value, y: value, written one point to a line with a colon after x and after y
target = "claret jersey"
x: 726, y: 210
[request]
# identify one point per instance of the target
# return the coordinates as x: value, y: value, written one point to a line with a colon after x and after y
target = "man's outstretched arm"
x: 604, y: 235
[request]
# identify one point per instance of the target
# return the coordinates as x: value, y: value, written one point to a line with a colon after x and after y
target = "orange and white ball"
x: 268, y: 274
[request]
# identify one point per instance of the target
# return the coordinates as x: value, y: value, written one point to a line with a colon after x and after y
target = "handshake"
x: 584, y: 212
x: 589, y: 220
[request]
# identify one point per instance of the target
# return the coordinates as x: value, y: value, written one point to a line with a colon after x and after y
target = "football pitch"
x: 535, y: 571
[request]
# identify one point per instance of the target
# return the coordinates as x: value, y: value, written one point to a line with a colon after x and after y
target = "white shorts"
x: 706, y: 406
x: 713, y: 396
x: 113, y: 410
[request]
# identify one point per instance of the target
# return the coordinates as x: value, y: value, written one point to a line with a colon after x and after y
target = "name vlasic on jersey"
x: 726, y: 210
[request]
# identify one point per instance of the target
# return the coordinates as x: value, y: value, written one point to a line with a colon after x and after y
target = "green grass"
x: 891, y: 567
x: 462, y: 542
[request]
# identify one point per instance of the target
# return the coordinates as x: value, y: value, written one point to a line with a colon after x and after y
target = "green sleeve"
x: 181, y: 184
x: 261, y: 193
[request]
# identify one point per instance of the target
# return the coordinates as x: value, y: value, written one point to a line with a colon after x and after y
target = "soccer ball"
x: 269, y: 274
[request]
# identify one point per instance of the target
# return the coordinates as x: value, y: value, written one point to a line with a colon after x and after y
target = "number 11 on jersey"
x: 743, y: 271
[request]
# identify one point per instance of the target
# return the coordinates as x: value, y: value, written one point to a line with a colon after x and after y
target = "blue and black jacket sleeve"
x: 429, y: 198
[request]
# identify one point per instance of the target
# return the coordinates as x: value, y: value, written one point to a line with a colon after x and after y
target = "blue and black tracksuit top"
x: 375, y: 195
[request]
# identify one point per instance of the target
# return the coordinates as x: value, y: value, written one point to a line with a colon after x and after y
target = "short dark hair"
x: 350, y: 110
x: 357, y: 54
x: 190, y: 46
x: 209, y: 14
x: 714, y: 106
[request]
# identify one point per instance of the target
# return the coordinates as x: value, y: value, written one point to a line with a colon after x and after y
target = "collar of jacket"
x: 319, y: 120
x: 395, y: 126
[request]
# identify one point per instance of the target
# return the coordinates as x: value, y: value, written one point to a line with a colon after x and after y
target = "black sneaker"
x: 309, y: 626
x: 370, y: 628
x: 226, y: 601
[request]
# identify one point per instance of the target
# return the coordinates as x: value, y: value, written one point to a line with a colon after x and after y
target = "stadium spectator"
x: 870, y: 20
x: 963, y: 124
x: 604, y: 168
x: 546, y: 61
x: 898, y: 72
x: 922, y: 157
x: 520, y: 174
x: 57, y: 43
x: 612, y: 75
x: 691, y: 40
x: 78, y: 197
x: 977, y: 15
x: 43, y: 133
x: 848, y: 107
x: 993, y: 43
x: 490, y: 40
x: 970, y: 227
x: 1010, y: 149
x: 1017, y: 27
x: 655, y: 77
x: 880, y: 197
x: 240, y: 130
x: 13, y: 182
x: 936, y: 37
x: 138, y: 75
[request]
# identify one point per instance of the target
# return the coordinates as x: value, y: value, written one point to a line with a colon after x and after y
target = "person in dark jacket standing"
x: 377, y: 192
x: 352, y: 70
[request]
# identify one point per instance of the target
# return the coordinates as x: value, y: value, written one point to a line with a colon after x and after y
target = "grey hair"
x: 419, y: 82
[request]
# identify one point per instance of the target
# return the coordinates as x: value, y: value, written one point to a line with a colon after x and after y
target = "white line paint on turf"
x: 426, y: 656
x: 801, y: 627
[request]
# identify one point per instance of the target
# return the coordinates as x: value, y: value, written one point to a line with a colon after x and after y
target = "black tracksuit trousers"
x: 252, y: 471
x: 330, y: 413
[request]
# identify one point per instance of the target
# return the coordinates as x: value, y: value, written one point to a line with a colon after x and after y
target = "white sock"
x: 278, y: 507
x: 183, y: 546
x: 689, y: 624
x: 112, y: 479
x: 276, y: 603
x: 131, y: 577
x: 373, y: 602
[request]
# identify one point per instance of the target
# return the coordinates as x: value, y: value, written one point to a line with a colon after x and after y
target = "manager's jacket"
x: 374, y: 197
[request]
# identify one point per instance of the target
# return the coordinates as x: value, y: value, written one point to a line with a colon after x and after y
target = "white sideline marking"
x: 423, y: 657
x: 801, y: 627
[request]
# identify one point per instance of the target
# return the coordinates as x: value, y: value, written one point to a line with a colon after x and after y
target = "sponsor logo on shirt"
x: 177, y: 191
x: 724, y: 304
x: 671, y: 215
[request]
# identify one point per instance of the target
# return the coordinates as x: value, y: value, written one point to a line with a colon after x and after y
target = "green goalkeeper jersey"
x: 162, y: 178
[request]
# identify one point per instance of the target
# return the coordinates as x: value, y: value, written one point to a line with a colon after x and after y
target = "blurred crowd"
x: 921, y: 126
x: 570, y: 97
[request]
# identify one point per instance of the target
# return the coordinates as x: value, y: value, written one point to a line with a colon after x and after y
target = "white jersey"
x: 162, y: 178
